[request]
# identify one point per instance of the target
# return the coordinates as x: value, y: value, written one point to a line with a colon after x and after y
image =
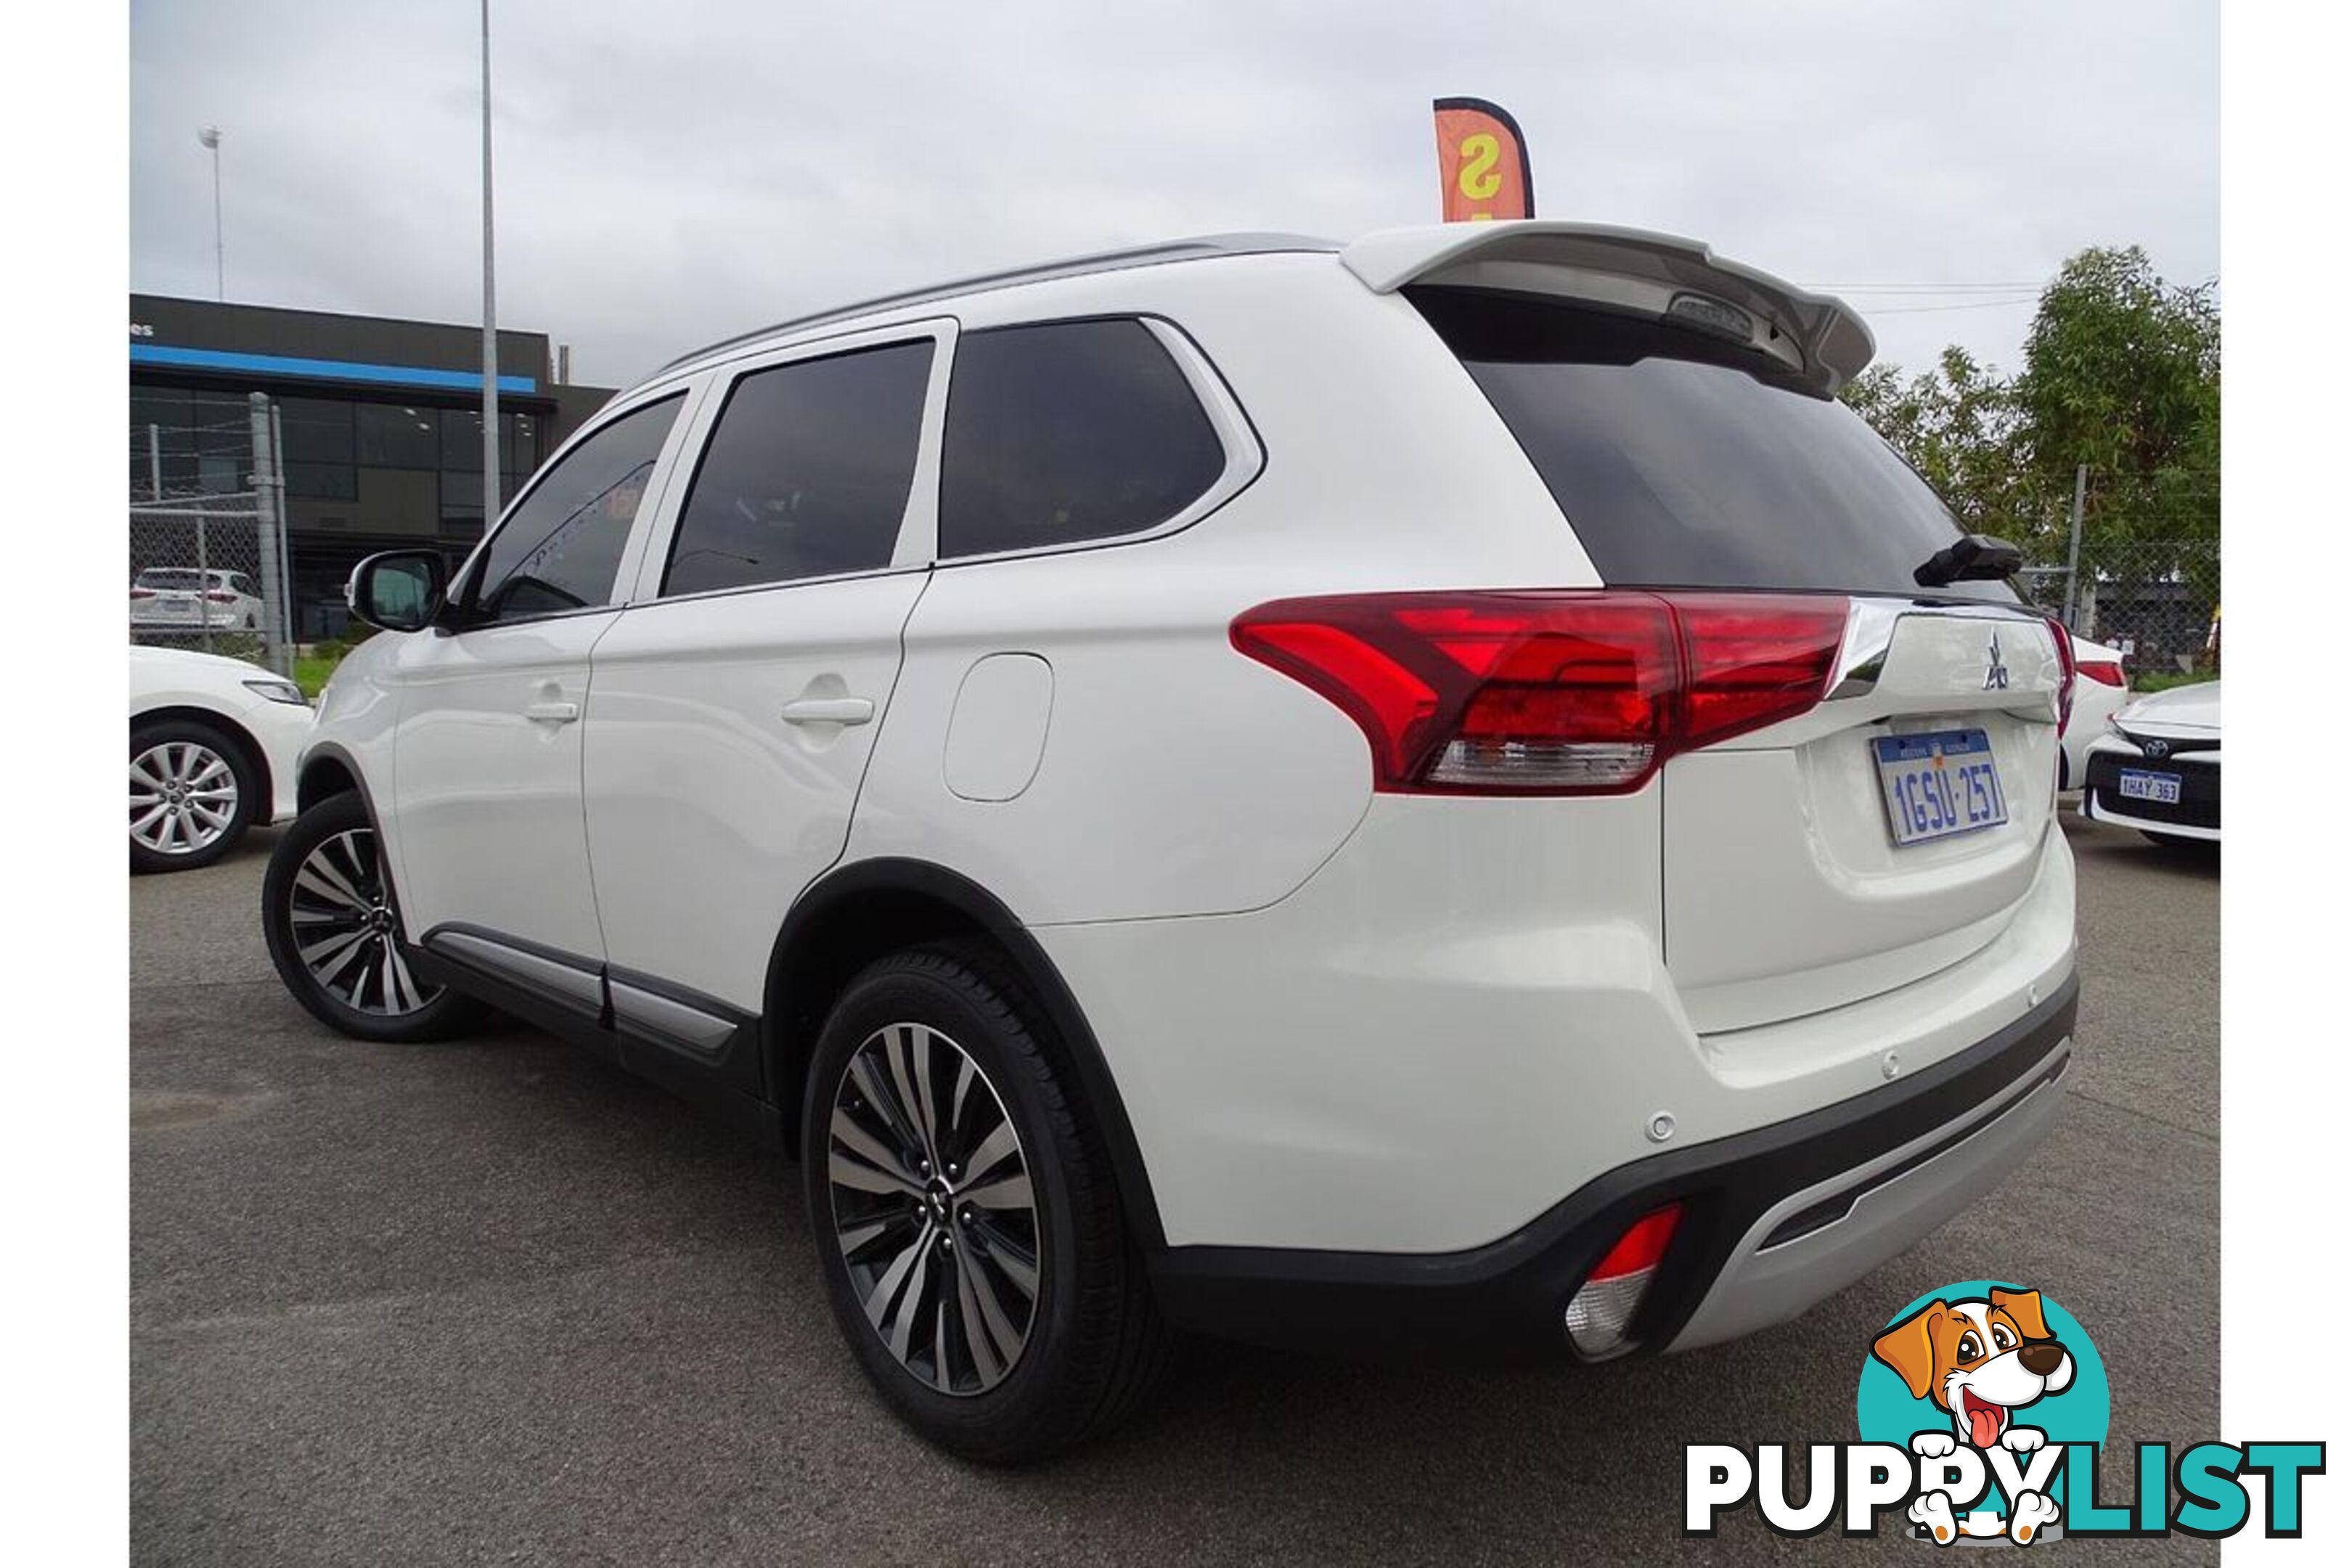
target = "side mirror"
x: 399, y: 589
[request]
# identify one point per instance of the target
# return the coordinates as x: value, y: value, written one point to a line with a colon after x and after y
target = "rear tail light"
x: 2104, y: 671
x: 2065, y: 641
x: 1571, y: 692
x: 220, y: 597
x: 1604, y: 1305
x: 142, y: 592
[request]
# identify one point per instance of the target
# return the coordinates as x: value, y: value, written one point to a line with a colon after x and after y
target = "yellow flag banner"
x: 1482, y: 162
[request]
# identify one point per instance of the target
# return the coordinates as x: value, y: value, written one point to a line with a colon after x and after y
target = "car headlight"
x: 279, y: 691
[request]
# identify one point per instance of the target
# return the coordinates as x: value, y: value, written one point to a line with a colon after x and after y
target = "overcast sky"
x: 672, y: 173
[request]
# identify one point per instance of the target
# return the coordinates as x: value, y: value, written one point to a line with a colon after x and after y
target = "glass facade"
x: 363, y: 474
x: 352, y: 465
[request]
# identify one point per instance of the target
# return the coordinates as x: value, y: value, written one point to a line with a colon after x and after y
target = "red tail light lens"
x: 1548, y: 693
x: 142, y: 592
x: 2065, y: 641
x: 2106, y: 672
x: 220, y: 597
x: 1641, y: 1246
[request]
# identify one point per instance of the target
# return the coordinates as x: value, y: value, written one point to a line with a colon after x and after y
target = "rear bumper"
x: 1774, y: 1220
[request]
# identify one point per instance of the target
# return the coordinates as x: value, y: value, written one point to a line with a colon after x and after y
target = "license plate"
x: 2138, y: 783
x: 1939, y: 783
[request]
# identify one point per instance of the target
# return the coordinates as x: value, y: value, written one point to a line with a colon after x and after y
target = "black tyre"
x: 194, y: 789
x: 965, y: 1215
x: 335, y: 935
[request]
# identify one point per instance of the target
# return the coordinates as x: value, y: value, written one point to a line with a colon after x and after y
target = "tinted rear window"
x: 1678, y: 466
x: 1067, y: 432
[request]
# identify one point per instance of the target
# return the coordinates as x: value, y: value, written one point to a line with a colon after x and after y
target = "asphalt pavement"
x: 493, y: 1301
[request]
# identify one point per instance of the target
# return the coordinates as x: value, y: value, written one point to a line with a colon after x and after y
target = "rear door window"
x: 1067, y: 432
x: 1681, y: 461
x: 807, y: 473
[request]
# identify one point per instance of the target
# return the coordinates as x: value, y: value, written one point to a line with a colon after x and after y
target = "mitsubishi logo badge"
x: 1995, y: 672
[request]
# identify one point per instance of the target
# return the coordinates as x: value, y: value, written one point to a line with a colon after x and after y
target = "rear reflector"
x: 1568, y: 692
x: 1604, y: 1305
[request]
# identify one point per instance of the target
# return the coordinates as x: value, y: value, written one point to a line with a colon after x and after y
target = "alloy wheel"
x: 933, y: 1210
x: 347, y: 932
x: 183, y: 797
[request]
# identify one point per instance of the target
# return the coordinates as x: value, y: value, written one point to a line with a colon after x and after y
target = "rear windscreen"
x: 1683, y: 461
x: 170, y: 580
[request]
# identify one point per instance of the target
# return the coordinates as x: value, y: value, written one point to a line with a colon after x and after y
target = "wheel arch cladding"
x: 861, y: 912
x: 326, y: 771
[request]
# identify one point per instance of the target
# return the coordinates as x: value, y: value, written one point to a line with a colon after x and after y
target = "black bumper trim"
x: 1505, y: 1298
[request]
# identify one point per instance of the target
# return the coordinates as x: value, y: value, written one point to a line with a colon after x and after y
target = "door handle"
x: 829, y: 711
x: 552, y: 712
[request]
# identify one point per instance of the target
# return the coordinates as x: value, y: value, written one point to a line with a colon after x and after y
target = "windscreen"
x: 1683, y: 460
x: 155, y: 577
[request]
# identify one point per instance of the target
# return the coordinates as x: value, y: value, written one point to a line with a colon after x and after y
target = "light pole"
x: 489, y: 305
x: 211, y: 137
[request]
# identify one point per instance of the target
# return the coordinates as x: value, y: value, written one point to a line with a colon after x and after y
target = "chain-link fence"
x: 207, y: 547
x: 2141, y: 574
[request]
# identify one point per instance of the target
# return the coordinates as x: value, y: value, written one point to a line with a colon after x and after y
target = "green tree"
x: 1959, y: 425
x: 2123, y: 374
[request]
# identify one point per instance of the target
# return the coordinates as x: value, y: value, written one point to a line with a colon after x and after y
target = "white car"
x: 1441, y: 790
x: 2158, y: 766
x: 215, y: 744
x: 182, y: 598
x: 2100, y: 687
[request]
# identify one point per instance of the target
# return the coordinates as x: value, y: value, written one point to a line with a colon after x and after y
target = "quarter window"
x: 1066, y: 432
x: 806, y: 474
x: 560, y: 547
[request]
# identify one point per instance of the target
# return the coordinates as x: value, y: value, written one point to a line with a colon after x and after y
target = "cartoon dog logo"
x: 1979, y: 1360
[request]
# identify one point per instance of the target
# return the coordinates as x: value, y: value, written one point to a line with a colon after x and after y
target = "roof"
x: 1818, y: 336
x: 1198, y: 247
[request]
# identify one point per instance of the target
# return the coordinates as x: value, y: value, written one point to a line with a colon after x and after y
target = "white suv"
x: 1434, y: 792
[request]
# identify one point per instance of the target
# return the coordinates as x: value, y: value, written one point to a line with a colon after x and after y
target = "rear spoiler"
x: 1815, y: 335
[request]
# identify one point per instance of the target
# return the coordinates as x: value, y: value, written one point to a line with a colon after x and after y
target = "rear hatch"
x: 1889, y: 829
x: 168, y: 594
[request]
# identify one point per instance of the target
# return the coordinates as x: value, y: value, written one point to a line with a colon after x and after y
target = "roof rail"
x: 1195, y: 248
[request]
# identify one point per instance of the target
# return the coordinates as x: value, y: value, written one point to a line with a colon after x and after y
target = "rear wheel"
x: 970, y: 1237
x: 334, y: 931
x: 192, y: 790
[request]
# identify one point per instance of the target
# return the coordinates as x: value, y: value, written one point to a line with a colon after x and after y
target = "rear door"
x: 1891, y: 829
x: 738, y: 696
